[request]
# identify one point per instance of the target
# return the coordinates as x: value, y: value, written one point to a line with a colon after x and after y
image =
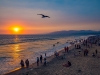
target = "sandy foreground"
x: 81, y: 65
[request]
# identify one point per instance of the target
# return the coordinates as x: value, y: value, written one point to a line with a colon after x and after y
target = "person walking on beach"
x: 96, y: 51
x: 56, y: 53
x: 45, y: 55
x: 27, y: 63
x: 41, y: 58
x: 45, y: 62
x: 65, y: 49
x: 87, y: 52
x: 22, y: 63
x: 37, y: 61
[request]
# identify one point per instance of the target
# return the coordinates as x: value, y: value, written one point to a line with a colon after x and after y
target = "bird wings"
x: 43, y: 16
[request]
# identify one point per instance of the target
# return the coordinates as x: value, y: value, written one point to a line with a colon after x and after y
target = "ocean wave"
x: 4, y: 58
x: 22, y: 40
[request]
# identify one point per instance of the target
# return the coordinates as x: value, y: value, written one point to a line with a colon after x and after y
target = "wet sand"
x: 81, y: 65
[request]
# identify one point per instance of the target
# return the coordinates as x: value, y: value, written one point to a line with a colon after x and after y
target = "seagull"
x: 43, y: 16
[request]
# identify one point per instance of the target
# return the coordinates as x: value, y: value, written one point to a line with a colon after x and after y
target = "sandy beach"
x: 81, y: 65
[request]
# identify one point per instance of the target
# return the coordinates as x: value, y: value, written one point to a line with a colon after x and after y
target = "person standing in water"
x: 37, y: 61
x: 22, y: 63
x: 41, y: 58
x: 27, y: 63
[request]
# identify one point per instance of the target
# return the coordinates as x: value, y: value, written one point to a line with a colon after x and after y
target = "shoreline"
x: 34, y: 65
x: 13, y: 64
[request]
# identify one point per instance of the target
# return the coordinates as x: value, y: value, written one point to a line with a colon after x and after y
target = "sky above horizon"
x: 64, y: 15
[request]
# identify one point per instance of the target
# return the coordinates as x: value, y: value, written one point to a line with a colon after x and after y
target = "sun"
x: 16, y: 29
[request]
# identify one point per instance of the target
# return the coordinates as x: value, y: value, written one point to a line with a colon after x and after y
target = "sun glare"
x: 16, y: 29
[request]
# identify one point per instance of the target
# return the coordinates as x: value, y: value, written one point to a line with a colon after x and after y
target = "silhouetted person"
x: 65, y: 49
x: 41, y: 58
x: 22, y: 63
x: 79, y: 47
x: 69, y: 63
x: 57, y: 42
x: 56, y: 53
x: 53, y: 45
x: 27, y: 63
x: 45, y: 62
x: 96, y: 51
x: 87, y: 52
x: 75, y: 46
x: 37, y: 61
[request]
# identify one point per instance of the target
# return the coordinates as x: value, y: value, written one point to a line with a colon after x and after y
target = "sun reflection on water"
x: 16, y: 51
x: 16, y: 39
x: 16, y: 48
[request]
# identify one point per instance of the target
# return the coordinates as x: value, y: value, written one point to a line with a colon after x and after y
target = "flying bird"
x: 43, y: 16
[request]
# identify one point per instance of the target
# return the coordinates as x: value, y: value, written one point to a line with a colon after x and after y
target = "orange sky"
x: 64, y: 15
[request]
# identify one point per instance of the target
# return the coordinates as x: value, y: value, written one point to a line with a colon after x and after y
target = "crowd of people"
x: 88, y: 43
x: 39, y: 60
x: 77, y: 46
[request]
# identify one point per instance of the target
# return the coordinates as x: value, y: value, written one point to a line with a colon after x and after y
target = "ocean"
x: 13, y: 48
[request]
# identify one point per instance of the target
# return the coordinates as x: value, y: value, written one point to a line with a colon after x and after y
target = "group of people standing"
x: 66, y: 49
x: 39, y: 60
x: 77, y: 46
x: 23, y: 64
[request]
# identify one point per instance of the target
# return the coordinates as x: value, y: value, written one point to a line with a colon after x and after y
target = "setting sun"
x: 16, y: 29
